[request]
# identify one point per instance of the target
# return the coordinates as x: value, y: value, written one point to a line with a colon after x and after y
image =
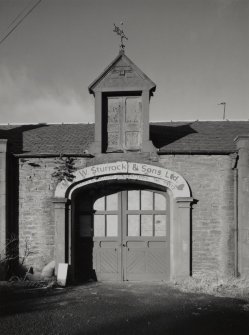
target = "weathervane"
x: 120, y: 32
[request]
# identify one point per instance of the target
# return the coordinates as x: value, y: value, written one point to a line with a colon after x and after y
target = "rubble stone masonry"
x: 36, y: 215
x: 210, y: 179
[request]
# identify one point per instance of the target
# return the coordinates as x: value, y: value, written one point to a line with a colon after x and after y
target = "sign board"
x: 130, y: 168
x: 162, y: 176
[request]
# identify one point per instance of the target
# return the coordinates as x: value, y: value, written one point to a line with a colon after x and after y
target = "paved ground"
x: 120, y: 309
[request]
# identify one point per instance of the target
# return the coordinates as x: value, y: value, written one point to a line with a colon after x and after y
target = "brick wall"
x: 211, y: 181
x: 36, y: 216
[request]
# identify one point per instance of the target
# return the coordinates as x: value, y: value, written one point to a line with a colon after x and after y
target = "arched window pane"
x: 160, y: 202
x: 99, y: 204
x: 112, y: 202
x: 146, y: 200
x: 133, y: 200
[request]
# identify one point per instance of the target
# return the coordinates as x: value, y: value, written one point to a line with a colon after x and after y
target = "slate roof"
x: 197, y: 136
x: 211, y: 137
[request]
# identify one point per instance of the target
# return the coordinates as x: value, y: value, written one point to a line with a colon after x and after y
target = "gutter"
x: 44, y: 155
x: 196, y: 152
x: 88, y: 155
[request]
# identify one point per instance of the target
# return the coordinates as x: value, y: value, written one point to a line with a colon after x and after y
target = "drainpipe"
x: 236, y: 272
x: 235, y: 158
x: 242, y: 144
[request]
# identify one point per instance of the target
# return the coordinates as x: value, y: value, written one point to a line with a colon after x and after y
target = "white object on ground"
x: 62, y: 274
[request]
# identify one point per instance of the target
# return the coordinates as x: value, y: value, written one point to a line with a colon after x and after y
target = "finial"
x: 120, y: 32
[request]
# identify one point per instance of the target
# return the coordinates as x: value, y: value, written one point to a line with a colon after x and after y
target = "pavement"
x: 119, y: 308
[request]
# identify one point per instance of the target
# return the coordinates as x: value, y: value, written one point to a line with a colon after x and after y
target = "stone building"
x: 126, y: 199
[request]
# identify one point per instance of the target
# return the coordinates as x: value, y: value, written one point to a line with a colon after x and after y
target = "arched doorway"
x: 102, y: 180
x: 121, y: 232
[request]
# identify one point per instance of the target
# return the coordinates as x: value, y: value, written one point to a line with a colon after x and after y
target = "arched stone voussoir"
x: 122, y: 170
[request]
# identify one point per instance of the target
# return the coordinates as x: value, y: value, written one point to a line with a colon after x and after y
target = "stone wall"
x: 211, y: 181
x: 36, y: 215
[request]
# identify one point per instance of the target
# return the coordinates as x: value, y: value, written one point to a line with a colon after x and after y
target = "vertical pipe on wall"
x: 236, y: 272
x: 3, y: 194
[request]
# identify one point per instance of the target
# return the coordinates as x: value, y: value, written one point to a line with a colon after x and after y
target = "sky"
x: 196, y: 51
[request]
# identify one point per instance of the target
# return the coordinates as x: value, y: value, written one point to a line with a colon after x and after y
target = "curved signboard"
x: 126, y: 170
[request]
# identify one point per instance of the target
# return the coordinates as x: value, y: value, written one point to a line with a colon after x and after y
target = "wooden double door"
x: 124, y: 123
x: 130, y: 235
x: 125, y: 236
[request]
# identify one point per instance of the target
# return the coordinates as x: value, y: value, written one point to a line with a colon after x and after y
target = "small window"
x: 99, y: 204
x: 146, y: 200
x: 133, y: 200
x: 148, y: 216
x: 99, y: 225
x: 160, y: 225
x: 111, y: 225
x: 160, y: 202
x: 133, y: 225
x: 146, y: 225
x: 112, y: 202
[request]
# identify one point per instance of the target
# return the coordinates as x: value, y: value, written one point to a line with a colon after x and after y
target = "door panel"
x: 132, y: 123
x: 135, y: 263
x: 107, y: 261
x: 123, y: 123
x: 107, y: 237
x: 114, y: 122
x: 145, y: 234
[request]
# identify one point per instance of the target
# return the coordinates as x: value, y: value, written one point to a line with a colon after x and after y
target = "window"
x: 106, y: 216
x: 146, y: 214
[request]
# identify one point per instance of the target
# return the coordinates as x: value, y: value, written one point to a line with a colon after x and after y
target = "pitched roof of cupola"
x: 122, y: 75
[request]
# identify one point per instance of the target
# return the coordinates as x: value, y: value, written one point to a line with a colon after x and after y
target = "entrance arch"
x: 121, y: 232
x: 143, y: 176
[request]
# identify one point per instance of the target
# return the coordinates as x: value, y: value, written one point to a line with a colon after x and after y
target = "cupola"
x: 122, y: 95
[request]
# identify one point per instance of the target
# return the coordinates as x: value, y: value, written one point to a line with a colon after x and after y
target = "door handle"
x: 124, y: 245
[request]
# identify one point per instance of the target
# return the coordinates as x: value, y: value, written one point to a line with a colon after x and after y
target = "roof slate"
x: 168, y: 137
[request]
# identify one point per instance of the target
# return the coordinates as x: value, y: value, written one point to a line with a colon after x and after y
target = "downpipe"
x: 236, y: 221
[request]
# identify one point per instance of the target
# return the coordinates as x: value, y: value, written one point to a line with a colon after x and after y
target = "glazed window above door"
x: 124, y: 123
x: 146, y: 213
x: 106, y: 216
